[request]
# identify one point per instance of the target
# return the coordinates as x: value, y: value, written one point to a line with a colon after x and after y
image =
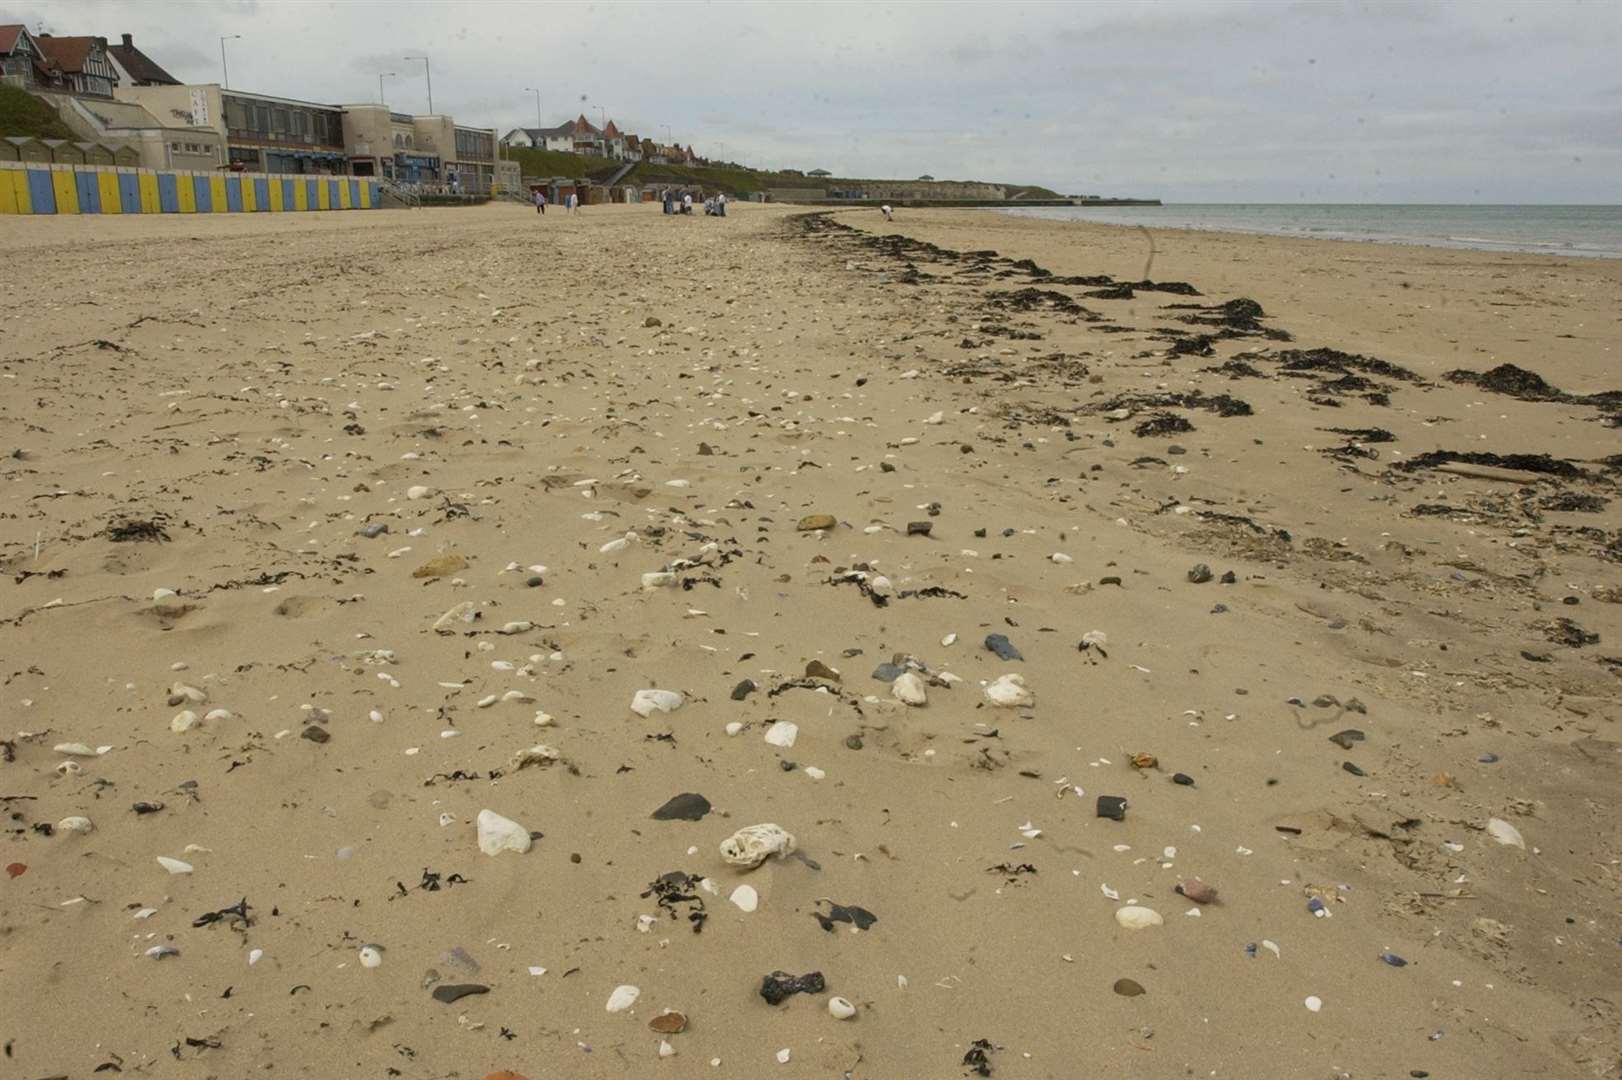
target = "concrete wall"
x: 29, y: 188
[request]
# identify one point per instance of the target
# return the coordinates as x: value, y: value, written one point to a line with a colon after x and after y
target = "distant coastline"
x: 1579, y: 231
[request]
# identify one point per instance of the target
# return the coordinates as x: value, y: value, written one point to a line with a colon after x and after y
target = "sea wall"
x: 36, y: 188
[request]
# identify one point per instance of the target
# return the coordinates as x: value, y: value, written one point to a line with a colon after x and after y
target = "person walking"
x: 721, y: 204
x: 669, y: 209
x: 687, y: 203
x: 540, y: 201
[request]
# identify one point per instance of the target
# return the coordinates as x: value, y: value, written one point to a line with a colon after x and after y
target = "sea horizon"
x: 1584, y: 230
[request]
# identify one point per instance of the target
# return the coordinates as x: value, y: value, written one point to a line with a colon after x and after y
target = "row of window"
x: 283, y: 123
x: 191, y: 148
x: 475, y: 145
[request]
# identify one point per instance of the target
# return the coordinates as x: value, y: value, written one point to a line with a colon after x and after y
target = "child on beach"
x: 888, y: 214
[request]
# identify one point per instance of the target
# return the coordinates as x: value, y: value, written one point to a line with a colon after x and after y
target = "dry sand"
x: 252, y: 392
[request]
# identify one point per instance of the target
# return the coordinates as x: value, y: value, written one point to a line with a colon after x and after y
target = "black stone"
x: 1182, y: 778
x: 919, y: 528
x: 315, y: 733
x: 458, y: 991
x: 688, y: 806
x: 859, y: 917
x: 1352, y: 768
x: 1199, y: 574
x: 780, y: 985
x: 1112, y: 807
x: 1346, y: 739
x: 1005, y: 650
x: 744, y: 689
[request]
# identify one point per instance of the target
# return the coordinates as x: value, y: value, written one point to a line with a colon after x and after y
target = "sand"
x: 219, y: 406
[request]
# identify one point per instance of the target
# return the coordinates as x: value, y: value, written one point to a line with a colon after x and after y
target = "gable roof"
x: 9, y: 36
x: 611, y: 132
x: 582, y: 126
x: 141, y: 67
x: 66, y: 54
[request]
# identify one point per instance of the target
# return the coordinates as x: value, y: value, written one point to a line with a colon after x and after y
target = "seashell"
x: 69, y: 768
x: 745, y: 897
x: 174, y: 866
x: 184, y: 721
x: 75, y: 824
x: 623, y: 998
x: 754, y: 844
x: 647, y: 702
x: 1505, y: 833
x: 669, y: 1022
x: 783, y: 733
x: 665, y: 1049
x: 418, y: 491
x: 908, y: 689
x: 841, y: 1008
x: 498, y: 834
x: 74, y: 749
x: 539, y: 754
x: 1133, y: 917
x: 371, y: 956
x: 1145, y: 760
x: 658, y: 580
x: 1009, y: 692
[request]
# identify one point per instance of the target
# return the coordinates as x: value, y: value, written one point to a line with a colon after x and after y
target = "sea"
x: 1586, y: 231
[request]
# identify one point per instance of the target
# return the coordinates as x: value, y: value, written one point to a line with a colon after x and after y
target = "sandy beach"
x: 1261, y: 597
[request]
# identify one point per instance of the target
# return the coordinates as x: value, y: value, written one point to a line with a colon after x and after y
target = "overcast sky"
x: 1221, y: 100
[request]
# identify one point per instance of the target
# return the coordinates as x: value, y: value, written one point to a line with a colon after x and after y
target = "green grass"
x: 21, y: 113
x: 731, y: 178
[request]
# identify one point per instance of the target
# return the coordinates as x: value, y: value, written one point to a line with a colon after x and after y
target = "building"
x: 559, y: 138
x: 262, y: 133
x: 613, y: 142
x: 73, y: 65
x: 587, y: 139
x: 136, y: 68
x: 18, y: 55
x: 384, y: 143
x: 163, y: 142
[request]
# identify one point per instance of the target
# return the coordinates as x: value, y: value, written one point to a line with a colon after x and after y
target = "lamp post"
x: 537, y: 93
x: 428, y: 75
x: 225, y: 72
x: 380, y: 77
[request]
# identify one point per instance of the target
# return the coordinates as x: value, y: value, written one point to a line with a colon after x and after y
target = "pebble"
x: 1133, y: 917
x: 1199, y: 574
x: 909, y: 689
x: 783, y: 733
x: 669, y: 1022
x: 813, y: 522
x: 418, y: 491
x: 75, y: 824
x: 371, y: 956
x: 688, y: 806
x: 1129, y: 988
x: 1005, y: 650
x: 1009, y: 692
x: 1198, y: 891
x: 498, y: 834
x: 647, y: 702
x: 453, y: 992
x: 1313, y: 1003
x: 745, y: 898
x: 184, y: 721
x: 623, y: 998
x: 754, y: 844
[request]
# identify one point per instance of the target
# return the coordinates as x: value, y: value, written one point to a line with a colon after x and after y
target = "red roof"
x: 9, y: 36
x: 611, y: 132
x: 65, y: 54
x: 582, y: 126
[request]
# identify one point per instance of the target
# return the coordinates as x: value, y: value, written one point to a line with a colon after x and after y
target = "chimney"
x: 128, y: 44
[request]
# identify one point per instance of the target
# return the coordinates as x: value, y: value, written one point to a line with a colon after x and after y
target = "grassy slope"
x: 707, y: 177
x: 21, y: 113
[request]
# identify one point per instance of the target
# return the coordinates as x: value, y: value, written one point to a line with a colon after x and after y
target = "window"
x: 261, y: 119
x: 301, y: 123
x: 236, y: 114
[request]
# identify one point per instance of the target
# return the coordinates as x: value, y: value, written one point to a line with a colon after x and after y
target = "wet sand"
x: 224, y: 407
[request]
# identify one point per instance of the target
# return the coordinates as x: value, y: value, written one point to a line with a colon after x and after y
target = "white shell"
x: 658, y: 580
x: 841, y: 1008
x: 74, y: 749
x: 648, y: 702
x: 745, y: 897
x: 1096, y: 638
x: 1313, y: 1003
x: 418, y: 491
x: 1505, y: 833
x: 498, y: 834
x: 753, y: 844
x: 69, y: 768
x: 734, y: 727
x: 623, y: 998
x: 1009, y: 692
x: 370, y: 957
x: 174, y: 866
x: 75, y: 824
x: 665, y: 1049
x: 783, y: 1055
x: 908, y: 689
x: 184, y: 721
x: 783, y: 733
x: 1133, y: 917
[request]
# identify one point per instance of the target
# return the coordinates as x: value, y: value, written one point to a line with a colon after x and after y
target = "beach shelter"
x: 126, y: 155
x: 95, y: 153
x: 28, y: 148
x: 64, y: 152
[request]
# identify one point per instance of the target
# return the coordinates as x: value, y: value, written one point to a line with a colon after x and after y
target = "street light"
x: 537, y: 93
x: 429, y: 76
x: 225, y: 71
x: 380, y: 77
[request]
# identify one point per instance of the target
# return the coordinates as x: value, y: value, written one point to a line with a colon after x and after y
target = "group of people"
x: 571, y: 201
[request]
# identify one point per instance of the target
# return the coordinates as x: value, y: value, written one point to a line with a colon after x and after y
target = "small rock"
x: 1199, y: 574
x: 1133, y: 917
x: 745, y: 897
x: 780, y: 985
x: 76, y: 824
x: 919, y: 528
x: 1129, y: 988
x: 1112, y: 807
x: 813, y: 522
x: 816, y: 669
x: 1346, y: 739
x: 669, y: 1022
x: 1198, y: 891
x: 441, y: 566
x: 315, y: 733
x: 418, y: 491
x: 498, y: 834
x: 1005, y: 650
x: 457, y: 991
x: 1009, y: 692
x: 754, y: 844
x: 647, y: 702
x: 783, y: 733
x: 909, y: 689
x: 183, y: 722
x: 623, y: 998
x: 744, y: 689
x: 688, y: 806
x: 374, y: 529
